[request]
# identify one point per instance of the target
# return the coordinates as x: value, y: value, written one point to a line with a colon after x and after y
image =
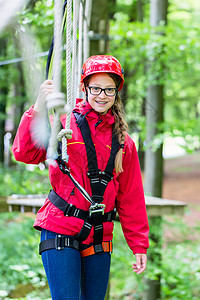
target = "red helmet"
x: 102, y: 64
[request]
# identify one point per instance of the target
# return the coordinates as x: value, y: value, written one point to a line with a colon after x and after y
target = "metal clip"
x: 95, y: 208
x: 59, y: 241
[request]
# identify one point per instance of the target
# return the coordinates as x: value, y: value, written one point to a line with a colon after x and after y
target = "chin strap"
x: 86, y: 91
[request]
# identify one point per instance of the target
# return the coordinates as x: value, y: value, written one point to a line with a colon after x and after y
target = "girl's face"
x: 102, y: 102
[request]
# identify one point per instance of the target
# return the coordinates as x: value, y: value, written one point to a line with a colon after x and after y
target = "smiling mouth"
x: 101, y: 102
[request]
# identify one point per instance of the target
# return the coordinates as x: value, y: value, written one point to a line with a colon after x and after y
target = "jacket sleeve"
x: 28, y: 146
x: 130, y: 202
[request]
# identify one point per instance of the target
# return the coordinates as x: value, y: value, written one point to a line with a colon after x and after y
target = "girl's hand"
x: 46, y: 88
x: 141, y: 262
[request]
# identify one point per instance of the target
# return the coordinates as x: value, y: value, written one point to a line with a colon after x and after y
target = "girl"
x: 76, y: 236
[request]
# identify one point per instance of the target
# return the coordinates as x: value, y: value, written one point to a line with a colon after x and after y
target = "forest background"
x: 168, y: 58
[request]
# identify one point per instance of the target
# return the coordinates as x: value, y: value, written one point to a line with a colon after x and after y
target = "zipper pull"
x: 99, y: 122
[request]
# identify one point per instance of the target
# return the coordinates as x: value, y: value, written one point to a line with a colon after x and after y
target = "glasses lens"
x: 95, y: 90
x: 110, y: 91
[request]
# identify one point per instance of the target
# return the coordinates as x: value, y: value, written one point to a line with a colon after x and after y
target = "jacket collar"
x: 83, y: 107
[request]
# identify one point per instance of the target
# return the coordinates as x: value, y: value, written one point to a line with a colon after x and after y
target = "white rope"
x: 68, y: 48
x: 57, y: 96
x: 65, y: 156
x: 56, y: 100
x: 80, y: 45
x: 71, y: 66
x: 74, y: 48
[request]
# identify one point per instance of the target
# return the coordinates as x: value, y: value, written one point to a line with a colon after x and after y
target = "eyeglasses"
x: 94, y: 90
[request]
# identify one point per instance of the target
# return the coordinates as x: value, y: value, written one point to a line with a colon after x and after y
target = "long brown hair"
x: 121, y: 126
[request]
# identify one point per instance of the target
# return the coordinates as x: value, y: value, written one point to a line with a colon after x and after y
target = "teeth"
x: 101, y: 102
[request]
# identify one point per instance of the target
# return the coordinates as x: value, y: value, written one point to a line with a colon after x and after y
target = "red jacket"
x: 124, y: 191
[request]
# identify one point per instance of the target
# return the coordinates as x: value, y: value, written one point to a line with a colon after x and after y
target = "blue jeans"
x: 72, y: 277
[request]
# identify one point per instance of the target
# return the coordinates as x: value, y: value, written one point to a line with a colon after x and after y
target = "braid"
x: 121, y: 127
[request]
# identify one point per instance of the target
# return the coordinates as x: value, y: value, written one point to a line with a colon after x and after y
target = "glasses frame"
x: 101, y: 90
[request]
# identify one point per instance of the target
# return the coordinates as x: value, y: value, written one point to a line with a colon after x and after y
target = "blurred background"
x: 157, y: 43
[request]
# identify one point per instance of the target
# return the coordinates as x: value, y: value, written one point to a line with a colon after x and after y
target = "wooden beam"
x: 155, y: 206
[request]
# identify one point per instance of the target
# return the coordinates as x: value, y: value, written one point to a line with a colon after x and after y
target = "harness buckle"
x: 106, y: 177
x: 97, y: 198
x: 97, y: 208
x: 60, y: 242
x: 69, y: 210
x: 94, y: 173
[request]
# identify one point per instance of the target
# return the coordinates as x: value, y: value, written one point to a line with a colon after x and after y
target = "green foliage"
x: 123, y: 280
x: 19, y: 259
x: 23, y: 180
x: 21, y: 265
x: 40, y: 18
x: 180, y: 263
x: 179, y: 268
x: 175, y: 57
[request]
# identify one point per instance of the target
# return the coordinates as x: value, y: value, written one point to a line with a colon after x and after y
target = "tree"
x: 99, y: 27
x: 155, y: 108
x: 153, y: 157
x: 3, y: 97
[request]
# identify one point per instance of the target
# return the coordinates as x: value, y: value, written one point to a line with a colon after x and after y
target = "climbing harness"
x: 99, y: 180
x: 91, y: 218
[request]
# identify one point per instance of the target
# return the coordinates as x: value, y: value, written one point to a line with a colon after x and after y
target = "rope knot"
x: 67, y: 133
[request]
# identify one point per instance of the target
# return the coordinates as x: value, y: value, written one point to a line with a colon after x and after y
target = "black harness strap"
x: 98, y: 180
x: 59, y: 243
x: 71, y: 210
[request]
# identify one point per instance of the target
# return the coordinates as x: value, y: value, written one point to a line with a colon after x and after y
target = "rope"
x: 65, y: 156
x: 80, y: 43
x: 56, y: 96
x: 74, y: 46
x: 71, y: 66
x: 56, y: 100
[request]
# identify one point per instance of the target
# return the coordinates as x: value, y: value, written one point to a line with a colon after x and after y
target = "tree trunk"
x: 3, y: 92
x: 3, y: 97
x: 141, y: 152
x: 140, y: 10
x: 153, y: 159
x: 154, y: 115
x: 153, y: 156
x: 19, y: 92
x: 100, y: 27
